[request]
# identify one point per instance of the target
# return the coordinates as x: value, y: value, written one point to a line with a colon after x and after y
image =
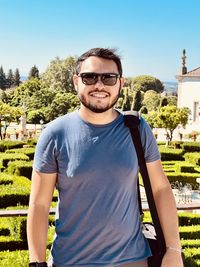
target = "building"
x: 189, y: 93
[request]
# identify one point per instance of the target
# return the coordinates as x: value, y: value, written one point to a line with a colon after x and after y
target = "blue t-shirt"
x: 97, y: 220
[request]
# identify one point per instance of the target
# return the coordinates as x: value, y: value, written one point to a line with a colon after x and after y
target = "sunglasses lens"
x: 89, y: 78
x: 109, y: 79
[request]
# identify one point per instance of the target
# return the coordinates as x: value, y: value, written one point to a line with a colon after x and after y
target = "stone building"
x: 189, y: 93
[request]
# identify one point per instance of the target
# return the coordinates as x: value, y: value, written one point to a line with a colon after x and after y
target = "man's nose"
x: 99, y: 84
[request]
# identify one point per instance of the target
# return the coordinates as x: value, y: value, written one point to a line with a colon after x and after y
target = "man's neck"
x: 98, y: 118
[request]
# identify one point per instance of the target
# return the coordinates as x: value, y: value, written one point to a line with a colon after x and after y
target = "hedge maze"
x: 182, y: 165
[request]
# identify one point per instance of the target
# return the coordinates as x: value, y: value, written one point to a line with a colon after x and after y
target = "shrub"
x: 190, y: 232
x: 20, y: 168
x: 193, y: 158
x: 27, y: 151
x: 6, y: 157
x: 8, y: 144
x: 183, y: 178
x: 184, y: 167
x: 191, y: 146
x: 186, y: 218
x: 171, y: 154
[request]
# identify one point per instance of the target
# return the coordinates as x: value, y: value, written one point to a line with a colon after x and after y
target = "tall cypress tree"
x: 17, y: 78
x: 34, y: 73
x: 10, y: 79
x: 2, y: 78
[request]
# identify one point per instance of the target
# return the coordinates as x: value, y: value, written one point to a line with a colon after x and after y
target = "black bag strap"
x: 132, y: 121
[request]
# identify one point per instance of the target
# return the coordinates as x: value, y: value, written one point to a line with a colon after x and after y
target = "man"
x: 89, y: 155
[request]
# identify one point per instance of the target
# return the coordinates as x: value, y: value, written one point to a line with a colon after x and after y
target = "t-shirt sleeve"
x: 151, y: 152
x: 45, y: 154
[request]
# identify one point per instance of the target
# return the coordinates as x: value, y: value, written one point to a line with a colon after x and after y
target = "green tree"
x: 34, y: 73
x: 151, y: 100
x: 58, y: 76
x: 137, y: 101
x: 10, y: 81
x: 146, y: 82
x: 17, y: 78
x: 169, y: 117
x: 2, y: 79
x: 61, y: 104
x: 7, y: 115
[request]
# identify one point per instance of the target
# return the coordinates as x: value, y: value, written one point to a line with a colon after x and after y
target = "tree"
x: 169, y: 117
x: 151, y: 100
x: 137, y: 102
x: 10, y: 81
x: 34, y: 73
x: 2, y: 79
x: 17, y: 78
x: 58, y: 76
x: 8, y: 114
x: 146, y: 82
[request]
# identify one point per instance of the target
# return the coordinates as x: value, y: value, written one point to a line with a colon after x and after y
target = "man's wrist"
x: 38, y: 264
x: 175, y: 249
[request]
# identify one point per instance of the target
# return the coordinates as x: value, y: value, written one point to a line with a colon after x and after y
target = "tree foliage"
x: 34, y: 73
x: 168, y: 117
x: 58, y: 76
x: 151, y: 100
x: 146, y: 83
x: 7, y: 115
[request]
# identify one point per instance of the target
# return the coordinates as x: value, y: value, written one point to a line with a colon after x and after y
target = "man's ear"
x: 122, y: 81
x: 75, y: 81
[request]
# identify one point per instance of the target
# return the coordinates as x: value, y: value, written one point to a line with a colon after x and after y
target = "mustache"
x: 99, y: 91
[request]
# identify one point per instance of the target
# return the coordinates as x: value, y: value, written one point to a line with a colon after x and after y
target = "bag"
x: 150, y: 234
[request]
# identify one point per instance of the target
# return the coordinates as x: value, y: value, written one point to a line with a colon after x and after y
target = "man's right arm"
x: 42, y: 188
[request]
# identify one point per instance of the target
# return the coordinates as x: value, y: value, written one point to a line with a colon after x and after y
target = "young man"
x: 89, y: 155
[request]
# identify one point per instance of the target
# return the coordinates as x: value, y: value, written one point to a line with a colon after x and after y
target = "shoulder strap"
x: 132, y: 122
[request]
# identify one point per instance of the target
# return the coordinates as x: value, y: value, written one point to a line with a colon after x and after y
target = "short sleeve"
x: 151, y: 152
x: 45, y: 154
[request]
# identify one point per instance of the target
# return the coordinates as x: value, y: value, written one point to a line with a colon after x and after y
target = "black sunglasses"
x: 91, y: 78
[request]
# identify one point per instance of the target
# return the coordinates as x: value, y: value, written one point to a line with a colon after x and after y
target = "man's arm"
x: 167, y: 212
x: 42, y: 187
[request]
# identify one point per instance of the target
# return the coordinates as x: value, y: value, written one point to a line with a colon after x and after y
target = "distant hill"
x: 170, y: 87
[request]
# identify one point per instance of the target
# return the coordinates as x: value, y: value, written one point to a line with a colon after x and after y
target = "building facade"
x: 189, y: 93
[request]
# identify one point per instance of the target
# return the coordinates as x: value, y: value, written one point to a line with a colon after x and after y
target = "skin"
x: 102, y: 98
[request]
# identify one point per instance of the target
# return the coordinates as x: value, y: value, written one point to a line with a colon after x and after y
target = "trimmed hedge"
x: 188, y: 219
x: 29, y: 151
x: 20, y: 168
x: 8, y: 144
x: 184, y: 167
x: 6, y: 157
x: 16, y: 193
x: 184, y: 178
x: 193, y: 158
x: 190, y: 232
x: 171, y: 154
x: 191, y: 146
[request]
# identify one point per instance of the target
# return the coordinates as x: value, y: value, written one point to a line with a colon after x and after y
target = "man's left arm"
x: 167, y: 212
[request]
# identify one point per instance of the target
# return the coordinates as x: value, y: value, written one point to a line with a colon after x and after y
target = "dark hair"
x: 100, y: 52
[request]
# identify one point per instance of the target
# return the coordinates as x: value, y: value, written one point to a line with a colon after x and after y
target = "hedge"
x: 16, y: 193
x: 29, y: 151
x: 8, y: 144
x: 6, y: 157
x: 20, y: 168
x: 191, y: 146
x: 193, y: 158
x: 184, y: 167
x: 190, y: 232
x: 183, y: 178
x: 171, y: 154
x: 186, y: 218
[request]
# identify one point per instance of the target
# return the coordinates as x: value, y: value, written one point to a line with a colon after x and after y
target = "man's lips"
x: 99, y: 94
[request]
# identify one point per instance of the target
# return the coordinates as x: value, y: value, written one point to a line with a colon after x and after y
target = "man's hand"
x: 172, y: 258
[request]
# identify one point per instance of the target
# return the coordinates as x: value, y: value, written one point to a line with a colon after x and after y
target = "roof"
x: 193, y: 73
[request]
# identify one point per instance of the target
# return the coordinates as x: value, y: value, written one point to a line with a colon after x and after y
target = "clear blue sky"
x: 150, y: 34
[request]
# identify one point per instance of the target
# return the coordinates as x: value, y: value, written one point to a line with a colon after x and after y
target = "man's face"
x: 98, y: 97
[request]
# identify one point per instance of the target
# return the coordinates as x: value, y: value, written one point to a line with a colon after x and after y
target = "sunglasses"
x: 91, y: 78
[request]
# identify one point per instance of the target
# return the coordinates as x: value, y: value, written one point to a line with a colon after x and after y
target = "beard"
x: 95, y: 107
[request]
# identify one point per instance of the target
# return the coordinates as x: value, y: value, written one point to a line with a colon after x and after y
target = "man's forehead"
x: 93, y: 63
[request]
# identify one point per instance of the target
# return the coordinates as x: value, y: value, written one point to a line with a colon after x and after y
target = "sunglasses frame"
x: 101, y: 75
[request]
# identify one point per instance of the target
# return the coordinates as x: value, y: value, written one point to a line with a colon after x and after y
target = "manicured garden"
x: 180, y: 164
